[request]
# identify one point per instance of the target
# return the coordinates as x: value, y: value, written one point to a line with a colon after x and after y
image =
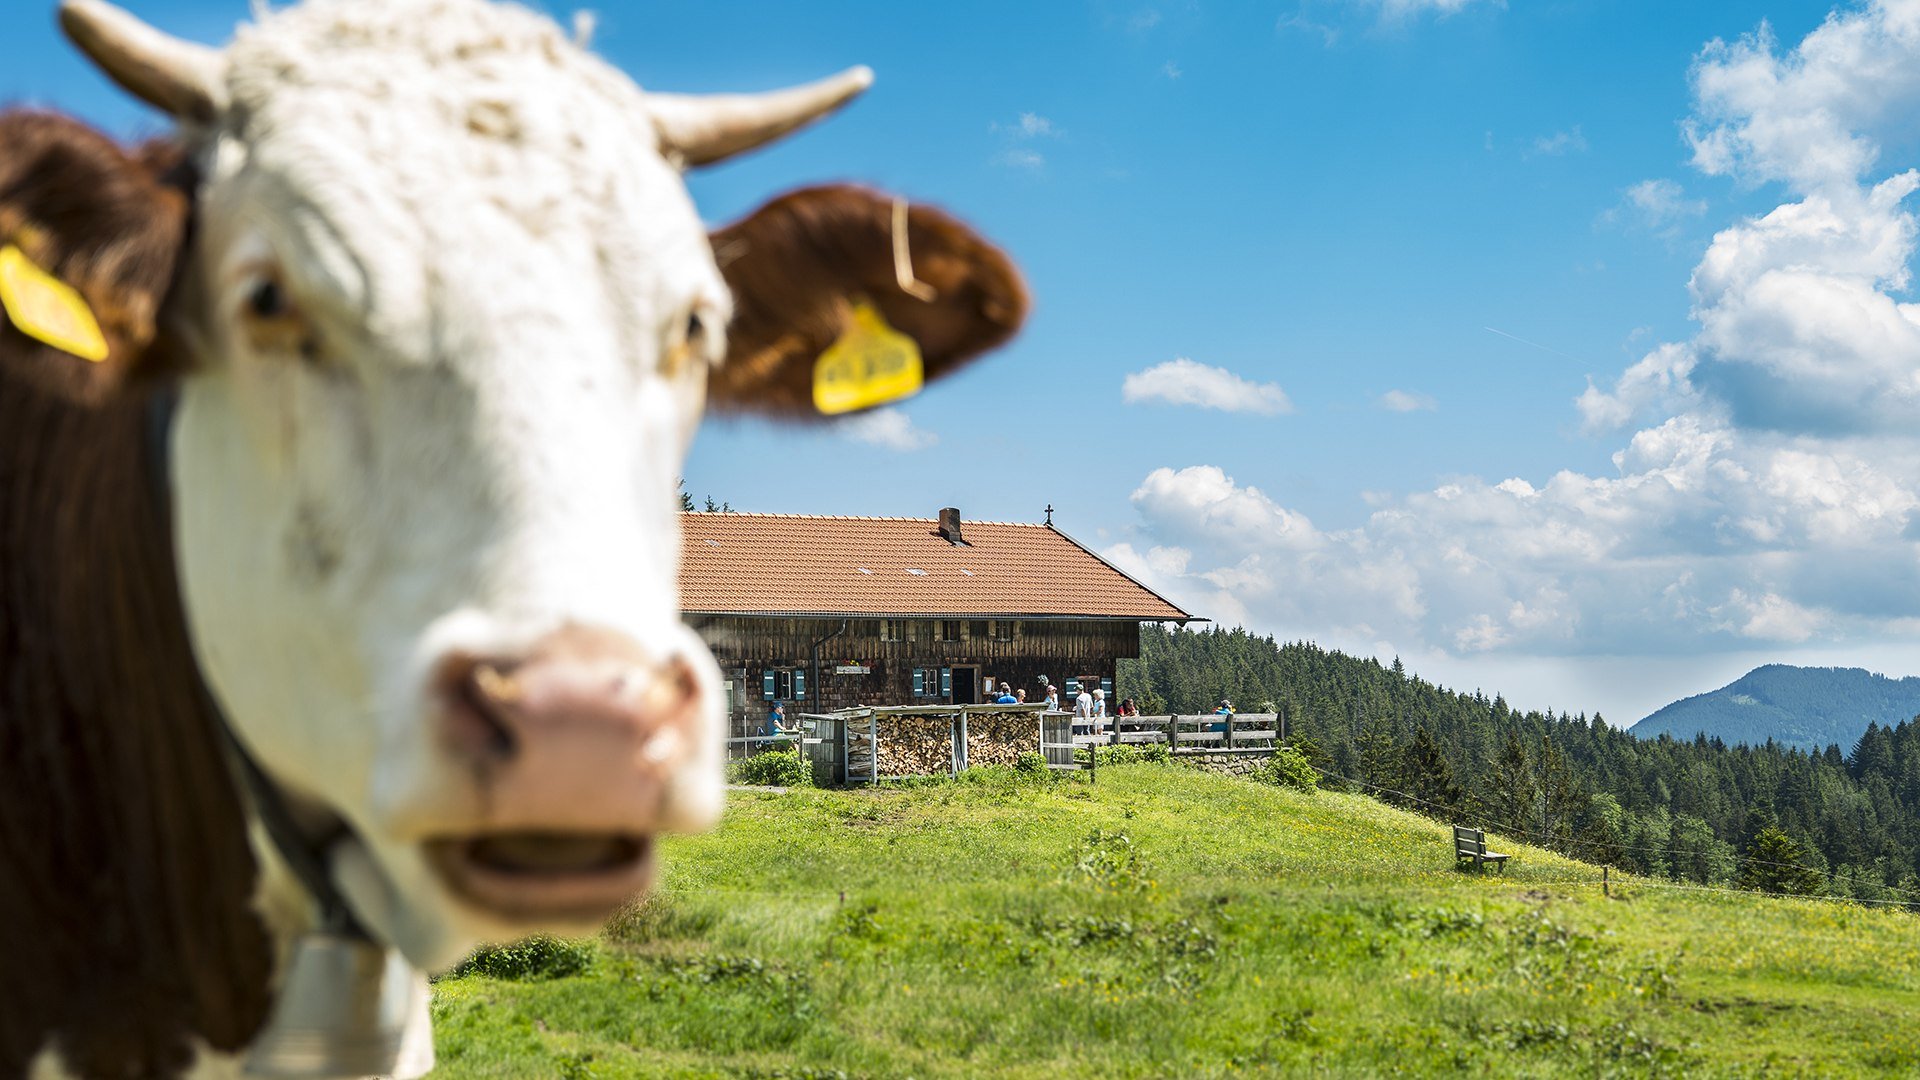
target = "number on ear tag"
x: 48, y: 309
x: 872, y: 364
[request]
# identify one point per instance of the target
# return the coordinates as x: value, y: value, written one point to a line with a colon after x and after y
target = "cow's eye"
x: 692, y: 341
x: 267, y: 300
x: 272, y: 322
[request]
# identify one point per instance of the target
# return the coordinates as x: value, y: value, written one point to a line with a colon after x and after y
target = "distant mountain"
x: 1797, y: 706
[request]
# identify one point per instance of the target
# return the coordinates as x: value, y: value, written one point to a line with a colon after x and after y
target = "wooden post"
x: 1230, y: 723
x: 1173, y: 732
x: 1606, y: 887
x: 960, y: 748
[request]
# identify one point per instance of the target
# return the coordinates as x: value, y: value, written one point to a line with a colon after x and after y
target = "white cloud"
x: 1802, y: 325
x: 1328, y: 35
x: 1560, y: 143
x: 1799, y: 327
x: 1171, y: 70
x: 1658, y: 379
x: 1407, y: 401
x: 1186, y: 382
x: 1033, y: 125
x: 1660, y: 206
x: 889, y: 427
x: 1016, y: 150
x: 1390, y: 14
x: 1143, y: 20
x: 1406, y: 9
x: 1811, y: 116
x: 1021, y: 157
x: 1709, y: 538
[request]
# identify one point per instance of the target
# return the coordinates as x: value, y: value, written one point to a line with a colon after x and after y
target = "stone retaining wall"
x: 1223, y: 764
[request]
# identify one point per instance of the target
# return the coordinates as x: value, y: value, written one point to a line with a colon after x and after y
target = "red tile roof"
x: 808, y: 564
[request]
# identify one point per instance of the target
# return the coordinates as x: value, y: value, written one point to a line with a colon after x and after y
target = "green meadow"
x: 1167, y: 922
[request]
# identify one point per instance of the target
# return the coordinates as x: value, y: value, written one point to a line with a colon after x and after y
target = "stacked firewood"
x: 1000, y: 738
x: 916, y: 745
x: 923, y: 745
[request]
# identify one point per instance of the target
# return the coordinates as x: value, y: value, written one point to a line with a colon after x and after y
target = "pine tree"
x: 1562, y: 800
x: 1598, y: 835
x: 1511, y: 790
x: 1428, y: 776
x: 1772, y: 863
x: 1379, y: 758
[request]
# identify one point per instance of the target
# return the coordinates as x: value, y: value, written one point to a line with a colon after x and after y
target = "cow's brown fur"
x: 126, y: 928
x: 107, y: 222
x: 796, y: 265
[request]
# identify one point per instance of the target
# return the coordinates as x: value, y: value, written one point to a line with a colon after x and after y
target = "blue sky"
x: 1557, y: 347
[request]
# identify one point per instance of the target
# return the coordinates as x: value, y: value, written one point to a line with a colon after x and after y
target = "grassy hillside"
x: 1166, y: 922
x: 1811, y: 708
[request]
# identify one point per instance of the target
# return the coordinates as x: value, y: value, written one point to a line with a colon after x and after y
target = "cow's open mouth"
x: 527, y: 876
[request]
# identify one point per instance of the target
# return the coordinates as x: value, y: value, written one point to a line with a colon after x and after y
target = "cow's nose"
x: 578, y: 688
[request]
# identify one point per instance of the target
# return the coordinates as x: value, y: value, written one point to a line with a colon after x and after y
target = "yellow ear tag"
x: 48, y: 309
x: 870, y: 365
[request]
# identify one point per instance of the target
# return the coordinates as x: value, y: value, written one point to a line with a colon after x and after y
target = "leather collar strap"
x: 304, y: 856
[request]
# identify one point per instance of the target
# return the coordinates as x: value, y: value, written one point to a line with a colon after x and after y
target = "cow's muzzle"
x: 573, y: 751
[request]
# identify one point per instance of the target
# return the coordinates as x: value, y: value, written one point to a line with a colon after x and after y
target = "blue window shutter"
x: 1073, y: 687
x: 919, y: 682
x: 799, y: 685
x: 766, y: 685
x: 1107, y: 685
x: 946, y: 682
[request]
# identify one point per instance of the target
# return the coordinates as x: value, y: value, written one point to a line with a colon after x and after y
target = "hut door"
x: 966, y: 685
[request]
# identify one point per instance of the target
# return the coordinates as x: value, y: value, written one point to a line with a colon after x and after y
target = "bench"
x: 1472, y: 844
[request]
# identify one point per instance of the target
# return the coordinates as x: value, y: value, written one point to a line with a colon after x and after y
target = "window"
x: 932, y: 682
x: 948, y: 629
x: 896, y: 630
x: 783, y: 684
x: 1003, y: 629
x: 977, y: 629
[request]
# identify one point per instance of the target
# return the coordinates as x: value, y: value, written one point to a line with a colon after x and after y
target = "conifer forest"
x: 1840, y: 821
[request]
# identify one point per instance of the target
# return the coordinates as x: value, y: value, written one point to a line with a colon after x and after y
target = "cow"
x: 369, y: 493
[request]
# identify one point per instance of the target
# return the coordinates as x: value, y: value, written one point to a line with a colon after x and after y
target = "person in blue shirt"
x: 1006, y: 696
x: 777, y: 719
x: 1223, y: 712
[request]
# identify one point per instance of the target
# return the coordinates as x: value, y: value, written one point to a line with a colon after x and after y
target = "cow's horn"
x: 179, y: 77
x: 702, y: 130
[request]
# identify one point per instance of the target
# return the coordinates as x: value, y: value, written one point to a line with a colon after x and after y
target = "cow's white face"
x: 453, y: 318
x: 456, y: 314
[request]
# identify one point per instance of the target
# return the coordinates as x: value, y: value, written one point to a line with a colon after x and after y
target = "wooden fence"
x: 1241, y: 733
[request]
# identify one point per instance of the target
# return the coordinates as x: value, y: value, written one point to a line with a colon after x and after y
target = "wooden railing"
x: 1248, y: 733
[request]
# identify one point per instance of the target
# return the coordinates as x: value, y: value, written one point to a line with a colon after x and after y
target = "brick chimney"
x: 950, y: 525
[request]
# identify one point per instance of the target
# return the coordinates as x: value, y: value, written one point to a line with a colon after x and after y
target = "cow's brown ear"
x: 109, y: 223
x: 798, y: 265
